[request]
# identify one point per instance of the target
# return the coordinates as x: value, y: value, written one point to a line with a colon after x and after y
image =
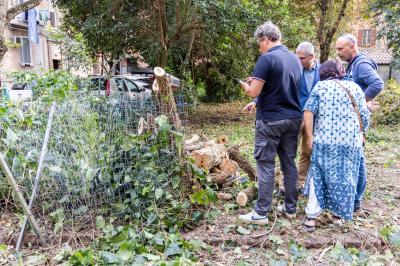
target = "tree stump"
x: 165, y: 97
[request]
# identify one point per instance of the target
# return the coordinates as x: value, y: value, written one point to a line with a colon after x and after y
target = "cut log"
x: 228, y: 166
x: 215, y: 170
x: 217, y: 178
x: 209, y: 157
x: 244, y: 164
x: 246, y: 195
x: 224, y: 196
x: 222, y: 140
x: 231, y: 180
x: 193, y: 140
x: 199, y: 145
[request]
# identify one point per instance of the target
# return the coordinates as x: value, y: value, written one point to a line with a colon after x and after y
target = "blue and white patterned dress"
x: 337, y: 145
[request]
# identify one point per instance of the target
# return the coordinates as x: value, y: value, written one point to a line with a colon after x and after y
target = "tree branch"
x: 15, y: 10
x: 335, y: 26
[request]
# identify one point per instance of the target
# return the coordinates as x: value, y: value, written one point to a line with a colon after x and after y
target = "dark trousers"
x: 271, y: 138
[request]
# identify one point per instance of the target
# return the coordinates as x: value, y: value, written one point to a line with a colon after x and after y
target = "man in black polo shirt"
x: 276, y: 82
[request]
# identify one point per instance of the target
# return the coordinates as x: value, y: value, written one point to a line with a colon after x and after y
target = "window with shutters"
x: 25, y: 49
x: 366, y: 37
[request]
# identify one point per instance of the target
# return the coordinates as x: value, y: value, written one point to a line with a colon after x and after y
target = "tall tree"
x: 387, y: 13
x: 7, y: 13
x: 329, y: 23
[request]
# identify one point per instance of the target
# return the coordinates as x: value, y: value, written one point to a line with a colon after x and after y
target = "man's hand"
x: 248, y: 80
x: 250, y: 107
x: 373, y: 105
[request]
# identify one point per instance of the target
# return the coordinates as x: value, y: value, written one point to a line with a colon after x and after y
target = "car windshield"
x: 18, y: 86
x: 132, y: 87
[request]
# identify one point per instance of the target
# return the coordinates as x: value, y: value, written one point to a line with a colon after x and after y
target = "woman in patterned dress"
x: 334, y: 130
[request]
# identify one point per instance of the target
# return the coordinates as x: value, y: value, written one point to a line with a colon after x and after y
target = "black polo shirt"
x: 281, y: 71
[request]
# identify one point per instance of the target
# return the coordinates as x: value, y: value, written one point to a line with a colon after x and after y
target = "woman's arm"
x: 308, y: 126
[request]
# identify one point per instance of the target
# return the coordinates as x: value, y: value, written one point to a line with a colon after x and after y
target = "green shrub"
x: 389, y: 99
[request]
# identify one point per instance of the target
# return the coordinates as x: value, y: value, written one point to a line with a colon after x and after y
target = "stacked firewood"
x: 222, y: 164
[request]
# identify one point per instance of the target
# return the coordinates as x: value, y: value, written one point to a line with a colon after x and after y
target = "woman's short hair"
x: 332, y: 69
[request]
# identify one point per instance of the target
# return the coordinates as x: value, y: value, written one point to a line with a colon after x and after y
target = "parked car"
x: 126, y: 86
x: 20, y: 92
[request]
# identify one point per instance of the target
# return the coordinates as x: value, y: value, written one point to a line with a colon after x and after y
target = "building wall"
x: 42, y: 54
x: 396, y: 74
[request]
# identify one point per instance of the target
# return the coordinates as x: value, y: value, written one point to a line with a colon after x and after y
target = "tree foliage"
x: 387, y: 13
x: 209, y: 41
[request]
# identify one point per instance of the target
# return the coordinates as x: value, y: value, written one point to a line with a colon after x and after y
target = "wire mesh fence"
x: 96, y: 162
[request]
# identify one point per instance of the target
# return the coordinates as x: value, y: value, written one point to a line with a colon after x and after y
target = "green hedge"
x: 389, y: 99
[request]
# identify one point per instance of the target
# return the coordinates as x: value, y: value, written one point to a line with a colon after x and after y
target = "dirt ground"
x: 285, y: 242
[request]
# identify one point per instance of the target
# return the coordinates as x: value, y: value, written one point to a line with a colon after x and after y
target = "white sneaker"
x: 253, y: 218
x: 282, y: 209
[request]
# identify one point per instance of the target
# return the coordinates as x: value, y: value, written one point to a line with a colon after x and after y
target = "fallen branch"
x: 244, y: 164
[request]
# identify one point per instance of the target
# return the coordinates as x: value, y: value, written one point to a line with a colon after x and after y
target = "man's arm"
x: 369, y: 76
x: 254, y: 89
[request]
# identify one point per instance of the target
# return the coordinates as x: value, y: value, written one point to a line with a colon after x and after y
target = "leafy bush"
x: 389, y: 99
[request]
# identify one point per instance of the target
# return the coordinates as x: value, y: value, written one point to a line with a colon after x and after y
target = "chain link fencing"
x: 96, y: 163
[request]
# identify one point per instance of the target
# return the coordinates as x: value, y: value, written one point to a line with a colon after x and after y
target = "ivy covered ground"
x: 193, y: 228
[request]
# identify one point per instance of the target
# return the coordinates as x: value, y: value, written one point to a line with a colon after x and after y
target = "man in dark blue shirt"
x: 363, y: 71
x: 276, y: 82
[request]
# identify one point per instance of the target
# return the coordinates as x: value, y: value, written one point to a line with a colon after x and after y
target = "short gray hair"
x: 349, y: 37
x: 269, y: 30
x: 306, y: 47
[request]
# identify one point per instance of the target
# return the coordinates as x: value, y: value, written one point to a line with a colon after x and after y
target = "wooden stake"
x: 20, y: 197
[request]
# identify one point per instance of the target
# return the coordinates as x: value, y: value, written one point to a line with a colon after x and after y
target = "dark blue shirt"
x: 363, y: 71
x: 281, y: 71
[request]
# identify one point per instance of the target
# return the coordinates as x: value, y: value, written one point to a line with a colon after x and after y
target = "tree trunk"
x: 166, y: 98
x: 246, y: 195
x: 244, y: 164
x: 328, y: 25
x: 3, y: 23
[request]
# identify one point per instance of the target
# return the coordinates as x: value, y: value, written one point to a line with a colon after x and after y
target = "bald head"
x: 346, y: 47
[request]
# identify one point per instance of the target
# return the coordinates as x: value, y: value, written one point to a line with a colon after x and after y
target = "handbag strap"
x: 353, y: 102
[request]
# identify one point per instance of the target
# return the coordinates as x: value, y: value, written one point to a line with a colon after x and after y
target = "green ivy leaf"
x: 109, y: 257
x: 173, y: 249
x: 159, y: 193
x: 242, y: 230
x: 394, y: 239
